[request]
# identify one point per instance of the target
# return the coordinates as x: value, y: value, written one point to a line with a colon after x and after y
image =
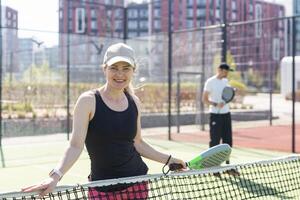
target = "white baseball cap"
x: 119, y: 52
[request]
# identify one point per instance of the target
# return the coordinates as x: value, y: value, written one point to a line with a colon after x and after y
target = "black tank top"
x: 110, y: 144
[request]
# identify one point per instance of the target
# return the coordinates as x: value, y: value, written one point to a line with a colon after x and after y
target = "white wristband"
x: 56, y: 171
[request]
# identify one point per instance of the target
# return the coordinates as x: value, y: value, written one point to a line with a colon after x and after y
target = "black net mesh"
x: 273, y: 179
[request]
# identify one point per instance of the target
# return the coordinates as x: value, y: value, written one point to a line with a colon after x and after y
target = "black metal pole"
x: 169, y: 67
x: 224, y: 33
x: 202, y: 79
x: 293, y: 83
x: 125, y: 33
x: 270, y: 94
x: 1, y: 55
x: 68, y: 71
x: 178, y: 102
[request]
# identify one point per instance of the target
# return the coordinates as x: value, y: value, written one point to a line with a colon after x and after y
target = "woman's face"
x: 119, y: 75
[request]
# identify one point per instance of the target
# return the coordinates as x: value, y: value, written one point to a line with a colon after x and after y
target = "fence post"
x: 202, y: 79
x: 293, y: 81
x: 125, y: 33
x: 224, y: 32
x: 169, y: 67
x: 1, y: 151
x: 68, y: 72
x: 178, y: 102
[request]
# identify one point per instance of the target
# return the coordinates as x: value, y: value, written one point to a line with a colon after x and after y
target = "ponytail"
x: 129, y: 89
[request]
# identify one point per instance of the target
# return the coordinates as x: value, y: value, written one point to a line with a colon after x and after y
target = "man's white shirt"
x: 215, y: 87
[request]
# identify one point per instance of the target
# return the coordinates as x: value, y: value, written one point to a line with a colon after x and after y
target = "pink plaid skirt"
x: 135, y: 191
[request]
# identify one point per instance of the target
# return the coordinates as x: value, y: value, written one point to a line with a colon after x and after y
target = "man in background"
x: 220, y: 118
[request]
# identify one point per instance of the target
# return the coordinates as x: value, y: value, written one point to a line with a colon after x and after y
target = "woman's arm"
x: 145, y: 149
x: 83, y: 111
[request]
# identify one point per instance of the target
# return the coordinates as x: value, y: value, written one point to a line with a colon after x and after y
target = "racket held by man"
x: 228, y: 94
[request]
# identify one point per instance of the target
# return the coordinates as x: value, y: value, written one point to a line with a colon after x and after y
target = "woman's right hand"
x: 176, y: 164
x: 44, y: 187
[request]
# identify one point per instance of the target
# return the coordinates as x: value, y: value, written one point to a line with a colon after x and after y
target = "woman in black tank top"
x: 107, y: 121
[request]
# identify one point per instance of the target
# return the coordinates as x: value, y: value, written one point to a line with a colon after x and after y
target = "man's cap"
x: 119, y: 52
x: 226, y: 67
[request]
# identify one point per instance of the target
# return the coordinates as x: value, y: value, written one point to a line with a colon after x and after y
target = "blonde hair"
x: 129, y: 89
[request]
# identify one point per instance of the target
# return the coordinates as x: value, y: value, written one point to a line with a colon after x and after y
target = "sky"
x: 37, y: 15
x: 43, y: 15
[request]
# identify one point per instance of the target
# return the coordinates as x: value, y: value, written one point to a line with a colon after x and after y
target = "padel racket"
x: 213, y: 156
x: 228, y: 94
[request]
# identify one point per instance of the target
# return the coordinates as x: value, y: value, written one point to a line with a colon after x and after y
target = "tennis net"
x: 270, y: 179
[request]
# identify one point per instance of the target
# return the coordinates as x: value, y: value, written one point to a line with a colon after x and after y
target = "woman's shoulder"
x: 87, y: 96
x: 136, y: 100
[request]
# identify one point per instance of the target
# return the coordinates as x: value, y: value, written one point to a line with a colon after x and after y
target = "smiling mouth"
x: 119, y: 80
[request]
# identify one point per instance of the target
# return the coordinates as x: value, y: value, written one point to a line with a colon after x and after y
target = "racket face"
x: 228, y: 94
x: 214, y: 156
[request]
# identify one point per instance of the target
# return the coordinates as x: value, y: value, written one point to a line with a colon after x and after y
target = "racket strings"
x: 228, y: 94
x: 216, y: 159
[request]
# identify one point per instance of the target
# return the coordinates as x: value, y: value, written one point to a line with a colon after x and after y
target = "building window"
x: 280, y: 13
x: 156, y: 12
x: 132, y: 13
x: 250, y: 8
x: 144, y: 13
x: 258, y: 16
x: 233, y: 16
x: 93, y: 13
x: 189, y: 23
x: 190, y: 12
x: 280, y: 23
x: 70, y: 13
x: 218, y: 3
x: 70, y: 26
x: 118, y: 13
x: 94, y: 24
x: 109, y: 2
x: 157, y: 24
x: 132, y: 24
x: 233, y: 5
x: 61, y: 14
x: 80, y: 20
x: 217, y: 13
x: 156, y: 3
x: 201, y: 2
x: 297, y: 6
x: 201, y: 12
x: 144, y: 24
x: 119, y: 24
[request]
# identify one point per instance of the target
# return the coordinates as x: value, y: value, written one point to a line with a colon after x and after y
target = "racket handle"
x: 175, y: 166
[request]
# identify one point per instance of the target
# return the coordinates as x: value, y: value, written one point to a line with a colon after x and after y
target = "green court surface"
x: 30, y: 161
